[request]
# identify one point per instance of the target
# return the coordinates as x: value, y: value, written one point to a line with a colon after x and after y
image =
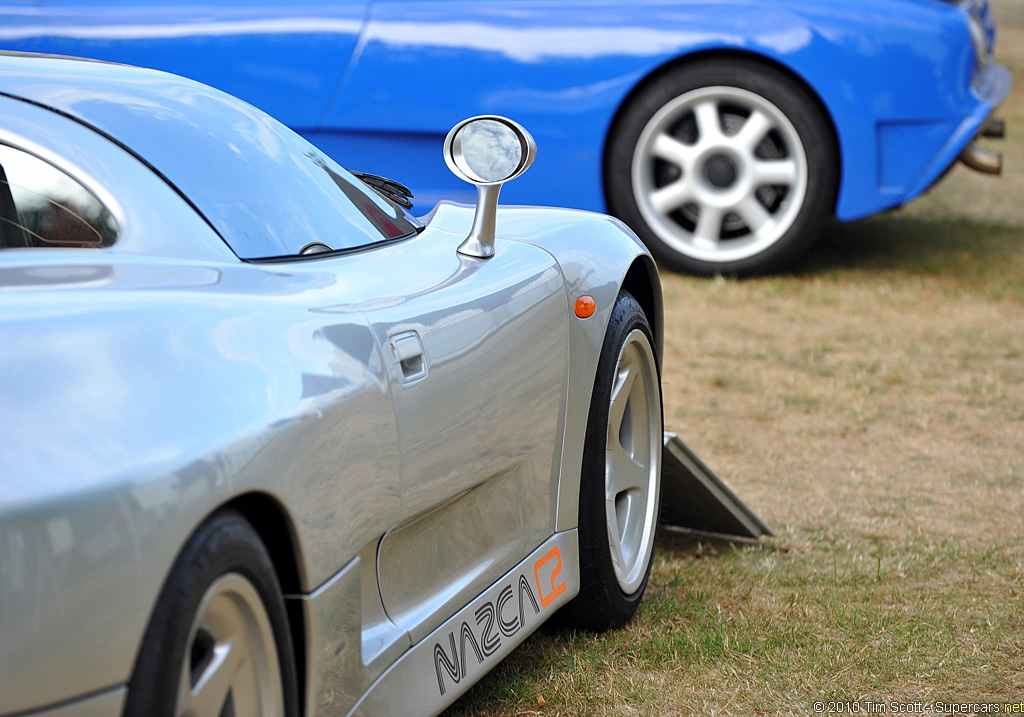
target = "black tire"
x: 610, y: 591
x: 725, y: 175
x: 223, y: 569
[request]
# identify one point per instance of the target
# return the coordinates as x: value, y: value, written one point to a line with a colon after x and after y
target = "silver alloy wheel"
x: 633, y: 461
x: 719, y: 174
x: 231, y: 665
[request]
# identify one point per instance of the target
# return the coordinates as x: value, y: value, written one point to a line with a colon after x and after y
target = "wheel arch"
x: 270, y: 520
x: 276, y: 531
x: 643, y: 282
x: 719, y: 54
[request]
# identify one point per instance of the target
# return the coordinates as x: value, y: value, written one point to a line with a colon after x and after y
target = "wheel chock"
x: 694, y: 497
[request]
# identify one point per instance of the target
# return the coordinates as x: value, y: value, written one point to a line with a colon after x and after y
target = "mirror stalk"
x: 480, y: 242
x: 487, y: 151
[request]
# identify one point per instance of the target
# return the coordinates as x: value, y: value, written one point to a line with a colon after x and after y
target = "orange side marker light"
x: 585, y: 306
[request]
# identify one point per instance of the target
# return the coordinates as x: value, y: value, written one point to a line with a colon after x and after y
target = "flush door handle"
x: 407, y: 349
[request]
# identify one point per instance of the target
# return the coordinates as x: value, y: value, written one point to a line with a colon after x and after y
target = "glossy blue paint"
x: 991, y: 85
x: 566, y: 69
x: 378, y: 83
x: 285, y: 59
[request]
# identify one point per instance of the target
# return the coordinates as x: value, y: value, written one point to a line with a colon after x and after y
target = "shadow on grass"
x: 513, y: 685
x: 963, y: 254
x: 683, y: 543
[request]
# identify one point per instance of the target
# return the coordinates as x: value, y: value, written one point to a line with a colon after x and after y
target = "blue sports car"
x: 723, y: 132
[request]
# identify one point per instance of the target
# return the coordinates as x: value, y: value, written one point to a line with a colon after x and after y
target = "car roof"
x: 254, y: 180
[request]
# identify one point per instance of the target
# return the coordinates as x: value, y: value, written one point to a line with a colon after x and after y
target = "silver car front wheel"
x: 620, y: 479
x: 632, y: 475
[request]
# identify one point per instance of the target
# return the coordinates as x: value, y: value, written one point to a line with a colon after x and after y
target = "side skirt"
x: 441, y: 667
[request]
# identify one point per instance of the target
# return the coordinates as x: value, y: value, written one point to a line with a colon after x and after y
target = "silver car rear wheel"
x: 633, y: 461
x: 231, y: 664
x: 218, y: 643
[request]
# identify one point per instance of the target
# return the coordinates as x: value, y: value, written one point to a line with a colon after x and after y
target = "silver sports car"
x: 272, y: 445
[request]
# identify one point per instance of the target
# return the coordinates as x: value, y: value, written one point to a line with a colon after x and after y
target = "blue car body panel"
x: 285, y: 59
x: 379, y: 82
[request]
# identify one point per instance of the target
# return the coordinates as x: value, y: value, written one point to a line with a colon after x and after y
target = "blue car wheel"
x: 723, y: 166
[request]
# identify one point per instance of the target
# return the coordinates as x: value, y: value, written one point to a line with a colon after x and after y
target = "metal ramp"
x: 694, y: 497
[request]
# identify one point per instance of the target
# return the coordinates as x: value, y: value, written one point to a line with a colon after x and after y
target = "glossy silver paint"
x: 365, y: 410
x: 104, y: 704
x: 71, y: 522
x: 339, y: 618
x: 479, y: 435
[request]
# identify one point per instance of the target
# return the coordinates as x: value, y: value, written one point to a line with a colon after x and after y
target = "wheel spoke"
x: 628, y: 454
x: 671, y: 150
x: 672, y: 196
x: 247, y: 692
x: 755, y: 216
x: 709, y: 125
x: 614, y: 539
x: 624, y: 379
x: 783, y: 172
x: 211, y: 690
x: 231, y: 666
x: 630, y: 516
x: 626, y: 473
x: 753, y: 131
x: 709, y: 226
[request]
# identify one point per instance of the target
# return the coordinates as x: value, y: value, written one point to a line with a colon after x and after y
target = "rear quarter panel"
x: 166, y: 392
x: 139, y: 394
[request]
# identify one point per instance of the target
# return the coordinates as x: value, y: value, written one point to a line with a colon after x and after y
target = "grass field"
x: 870, y: 406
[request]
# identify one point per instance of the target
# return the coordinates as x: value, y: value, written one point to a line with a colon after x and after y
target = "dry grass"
x: 871, y: 407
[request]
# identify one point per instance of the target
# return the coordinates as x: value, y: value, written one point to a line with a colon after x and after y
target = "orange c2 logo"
x: 555, y: 590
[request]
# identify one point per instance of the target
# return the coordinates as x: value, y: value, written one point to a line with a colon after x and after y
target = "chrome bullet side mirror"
x: 487, y: 151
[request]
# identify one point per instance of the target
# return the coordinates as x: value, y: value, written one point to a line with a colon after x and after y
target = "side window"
x: 41, y: 206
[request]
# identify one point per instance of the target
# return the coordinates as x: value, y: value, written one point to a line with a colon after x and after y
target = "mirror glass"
x: 490, y: 150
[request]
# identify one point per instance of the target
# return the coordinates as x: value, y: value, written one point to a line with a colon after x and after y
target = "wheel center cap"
x: 720, y: 171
